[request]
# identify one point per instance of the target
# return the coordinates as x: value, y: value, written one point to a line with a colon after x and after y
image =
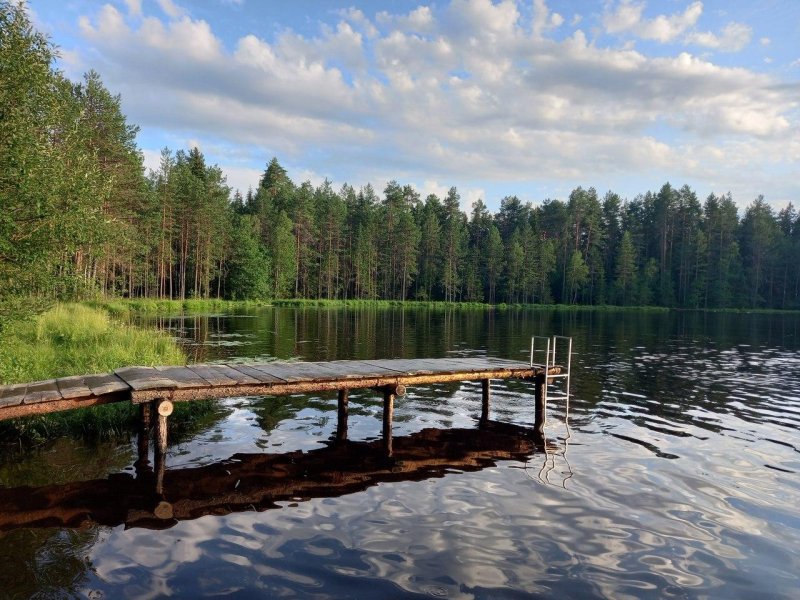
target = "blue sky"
x: 529, y: 98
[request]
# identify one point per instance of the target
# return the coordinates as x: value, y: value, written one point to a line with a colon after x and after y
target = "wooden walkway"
x: 155, y: 389
x: 196, y: 382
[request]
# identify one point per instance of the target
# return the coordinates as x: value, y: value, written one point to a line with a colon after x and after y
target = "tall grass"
x: 72, y: 339
x: 120, y: 307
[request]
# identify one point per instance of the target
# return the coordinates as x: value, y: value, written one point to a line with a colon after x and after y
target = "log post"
x: 484, y: 401
x: 540, y: 408
x: 341, y: 423
x: 143, y: 437
x: 388, y: 413
x: 163, y: 411
x: 160, y: 467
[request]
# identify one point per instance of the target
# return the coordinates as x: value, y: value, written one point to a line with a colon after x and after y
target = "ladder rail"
x: 551, y: 344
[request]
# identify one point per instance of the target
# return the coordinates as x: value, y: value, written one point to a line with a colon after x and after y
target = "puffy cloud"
x: 134, y: 7
x: 544, y: 19
x: 466, y: 91
x: 171, y: 9
x: 418, y: 20
x: 663, y: 28
x: 733, y: 38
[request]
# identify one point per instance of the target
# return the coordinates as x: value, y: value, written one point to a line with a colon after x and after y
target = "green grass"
x: 120, y: 307
x: 124, y: 307
x: 72, y: 339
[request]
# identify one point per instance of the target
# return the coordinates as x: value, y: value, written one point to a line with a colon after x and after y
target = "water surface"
x: 673, y: 470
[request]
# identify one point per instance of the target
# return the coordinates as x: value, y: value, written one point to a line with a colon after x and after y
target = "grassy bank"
x: 73, y: 339
x: 119, y: 307
x: 122, y: 307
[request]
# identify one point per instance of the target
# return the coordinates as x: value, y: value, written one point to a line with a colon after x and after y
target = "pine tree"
x: 625, y: 269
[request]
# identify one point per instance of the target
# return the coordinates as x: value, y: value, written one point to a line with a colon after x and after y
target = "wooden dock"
x: 155, y: 389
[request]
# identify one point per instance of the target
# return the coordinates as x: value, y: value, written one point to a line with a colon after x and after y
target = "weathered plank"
x: 107, y: 383
x: 183, y: 377
x: 407, y: 366
x: 354, y: 369
x: 256, y: 375
x: 294, y: 371
x: 240, y: 377
x: 145, y: 378
x: 42, y: 391
x: 445, y: 365
x: 482, y: 363
x: 73, y: 387
x: 215, y: 375
x: 12, y: 395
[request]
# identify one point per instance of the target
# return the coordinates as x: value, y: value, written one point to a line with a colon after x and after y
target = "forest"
x: 82, y: 219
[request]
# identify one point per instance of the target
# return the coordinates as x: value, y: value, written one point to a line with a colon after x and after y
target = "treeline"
x: 80, y: 218
x: 664, y: 248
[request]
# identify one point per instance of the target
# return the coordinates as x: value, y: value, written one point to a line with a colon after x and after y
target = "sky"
x: 529, y: 98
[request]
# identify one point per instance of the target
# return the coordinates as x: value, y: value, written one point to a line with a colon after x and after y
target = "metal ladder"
x: 550, y: 354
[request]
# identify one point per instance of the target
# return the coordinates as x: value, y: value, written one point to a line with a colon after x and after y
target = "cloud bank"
x: 472, y: 90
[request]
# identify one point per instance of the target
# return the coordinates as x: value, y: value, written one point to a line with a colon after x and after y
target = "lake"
x: 672, y: 472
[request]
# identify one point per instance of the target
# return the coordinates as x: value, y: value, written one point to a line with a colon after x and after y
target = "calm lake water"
x: 673, y: 471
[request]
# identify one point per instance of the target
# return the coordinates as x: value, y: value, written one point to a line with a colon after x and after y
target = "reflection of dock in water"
x: 260, y: 481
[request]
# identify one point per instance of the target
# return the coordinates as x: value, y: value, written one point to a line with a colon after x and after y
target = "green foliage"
x: 72, y: 339
x: 625, y: 269
x: 80, y: 220
x: 248, y: 266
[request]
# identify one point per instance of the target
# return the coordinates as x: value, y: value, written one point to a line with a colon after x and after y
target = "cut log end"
x: 163, y: 510
x: 165, y: 408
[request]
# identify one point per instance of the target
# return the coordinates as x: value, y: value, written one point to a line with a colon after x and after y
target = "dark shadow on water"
x: 247, y: 482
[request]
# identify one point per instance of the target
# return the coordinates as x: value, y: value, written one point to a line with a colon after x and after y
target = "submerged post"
x: 143, y: 438
x: 163, y: 410
x: 540, y: 406
x: 341, y: 423
x: 388, y: 413
x: 484, y: 400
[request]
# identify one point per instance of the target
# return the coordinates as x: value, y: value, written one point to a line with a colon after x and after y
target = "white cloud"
x: 544, y: 19
x: 765, y: 41
x: 356, y: 17
x: 171, y: 9
x: 419, y: 20
x: 627, y: 17
x: 134, y: 7
x: 734, y: 37
x: 478, y: 95
x: 430, y: 186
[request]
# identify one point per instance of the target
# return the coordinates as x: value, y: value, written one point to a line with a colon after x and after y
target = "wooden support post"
x: 341, y: 423
x: 540, y: 408
x: 143, y: 438
x: 485, y: 401
x: 163, y: 410
x: 160, y: 467
x: 388, y: 413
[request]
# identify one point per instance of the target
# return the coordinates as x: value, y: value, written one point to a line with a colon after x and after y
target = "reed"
x: 74, y: 339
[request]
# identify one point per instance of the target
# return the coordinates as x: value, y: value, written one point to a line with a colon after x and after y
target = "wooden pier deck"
x: 196, y: 382
x: 155, y: 389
